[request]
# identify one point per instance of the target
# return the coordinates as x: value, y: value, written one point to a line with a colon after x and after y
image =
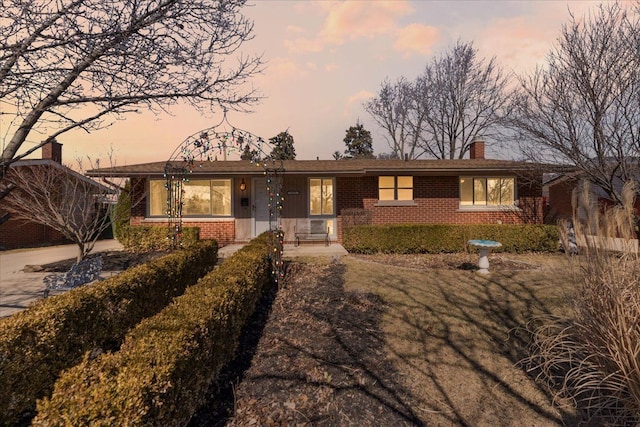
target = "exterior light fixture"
x: 243, y: 186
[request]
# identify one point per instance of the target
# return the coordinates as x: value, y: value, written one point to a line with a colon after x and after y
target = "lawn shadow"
x: 315, y: 356
x: 458, y: 328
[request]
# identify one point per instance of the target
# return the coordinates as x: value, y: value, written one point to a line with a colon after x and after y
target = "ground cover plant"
x: 396, y: 340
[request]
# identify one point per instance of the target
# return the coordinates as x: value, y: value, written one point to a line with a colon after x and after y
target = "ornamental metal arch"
x: 224, y: 140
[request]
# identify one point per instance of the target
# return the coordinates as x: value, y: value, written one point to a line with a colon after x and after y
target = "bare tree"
x: 70, y: 203
x: 459, y: 96
x: 462, y: 96
x: 67, y: 64
x: 395, y: 110
x: 583, y: 107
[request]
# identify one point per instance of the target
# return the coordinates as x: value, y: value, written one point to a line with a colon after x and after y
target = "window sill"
x: 396, y: 203
x: 490, y: 208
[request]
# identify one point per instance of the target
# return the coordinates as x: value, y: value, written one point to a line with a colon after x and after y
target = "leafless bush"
x: 592, y: 355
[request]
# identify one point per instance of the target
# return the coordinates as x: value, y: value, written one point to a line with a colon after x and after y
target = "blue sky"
x: 324, y: 59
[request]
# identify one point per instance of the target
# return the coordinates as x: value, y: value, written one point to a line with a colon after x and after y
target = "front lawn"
x: 396, y: 340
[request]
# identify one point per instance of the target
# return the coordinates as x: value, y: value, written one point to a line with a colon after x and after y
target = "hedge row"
x: 53, y: 334
x: 153, y: 238
x: 166, y: 364
x: 445, y: 238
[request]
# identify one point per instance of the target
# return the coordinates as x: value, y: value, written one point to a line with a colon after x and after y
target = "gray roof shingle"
x: 320, y: 167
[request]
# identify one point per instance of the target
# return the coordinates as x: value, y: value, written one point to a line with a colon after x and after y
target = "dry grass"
x: 397, y: 341
x: 593, y: 355
x: 456, y: 337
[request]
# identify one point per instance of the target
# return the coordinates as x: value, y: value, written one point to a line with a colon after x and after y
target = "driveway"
x: 18, y: 289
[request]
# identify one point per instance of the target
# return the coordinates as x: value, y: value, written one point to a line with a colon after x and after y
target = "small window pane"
x: 480, y: 191
x: 508, y: 196
x: 315, y: 196
x: 221, y: 197
x: 405, y: 194
x: 386, y: 182
x: 493, y: 191
x: 196, y: 199
x: 466, y: 191
x: 387, y: 194
x: 327, y: 196
x: 157, y: 197
x: 405, y: 182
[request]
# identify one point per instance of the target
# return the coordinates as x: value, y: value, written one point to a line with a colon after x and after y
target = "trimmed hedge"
x: 53, y: 334
x: 166, y: 364
x: 446, y: 238
x: 153, y: 238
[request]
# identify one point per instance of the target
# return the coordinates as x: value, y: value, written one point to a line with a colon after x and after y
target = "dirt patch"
x: 320, y: 361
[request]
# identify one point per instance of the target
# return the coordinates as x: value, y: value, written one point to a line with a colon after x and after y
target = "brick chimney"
x: 476, y: 149
x: 53, y: 151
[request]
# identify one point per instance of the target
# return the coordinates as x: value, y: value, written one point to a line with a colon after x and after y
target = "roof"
x: 324, y: 167
x: 52, y: 163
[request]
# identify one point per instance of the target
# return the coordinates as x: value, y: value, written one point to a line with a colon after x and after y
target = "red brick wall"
x: 437, y: 202
x: 17, y: 233
x: 560, y: 195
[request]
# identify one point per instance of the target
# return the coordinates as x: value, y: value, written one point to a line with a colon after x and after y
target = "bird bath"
x: 484, y: 247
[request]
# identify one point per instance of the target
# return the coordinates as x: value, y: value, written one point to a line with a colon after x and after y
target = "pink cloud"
x: 521, y: 43
x: 354, y: 102
x: 416, y: 38
x: 294, y: 29
x: 331, y: 67
x: 284, y: 68
x: 351, y: 20
x: 304, y: 45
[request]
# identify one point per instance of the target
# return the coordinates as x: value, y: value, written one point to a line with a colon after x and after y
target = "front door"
x: 260, y: 206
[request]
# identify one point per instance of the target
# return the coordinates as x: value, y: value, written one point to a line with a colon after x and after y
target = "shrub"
x: 166, y: 364
x: 38, y: 343
x: 154, y: 238
x: 591, y: 355
x: 446, y: 238
x: 122, y: 212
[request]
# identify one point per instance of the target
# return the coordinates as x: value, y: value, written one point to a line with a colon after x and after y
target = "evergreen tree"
x: 249, y: 154
x: 359, y: 143
x: 282, y: 147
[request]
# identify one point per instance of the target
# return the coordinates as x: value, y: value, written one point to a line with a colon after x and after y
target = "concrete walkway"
x: 18, y: 289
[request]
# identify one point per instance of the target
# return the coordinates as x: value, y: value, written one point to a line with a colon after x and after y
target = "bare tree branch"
x: 583, y: 107
x: 457, y: 98
x: 70, y: 203
x: 462, y: 96
x: 70, y: 64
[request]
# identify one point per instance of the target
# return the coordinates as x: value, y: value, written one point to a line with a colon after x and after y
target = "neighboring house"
x: 228, y: 200
x: 560, y: 189
x: 20, y: 233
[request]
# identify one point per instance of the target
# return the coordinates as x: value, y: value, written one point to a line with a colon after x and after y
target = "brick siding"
x: 17, y: 233
x: 436, y: 202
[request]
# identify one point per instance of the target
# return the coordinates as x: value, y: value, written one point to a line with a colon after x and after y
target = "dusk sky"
x: 324, y: 59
